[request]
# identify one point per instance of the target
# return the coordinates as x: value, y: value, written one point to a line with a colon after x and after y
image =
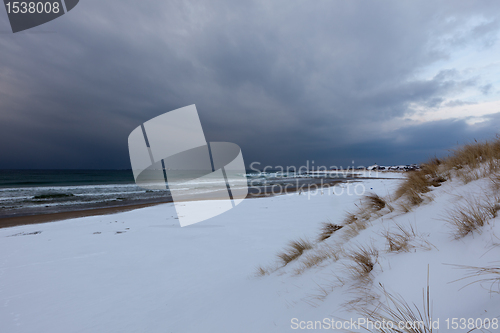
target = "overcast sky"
x: 392, y: 82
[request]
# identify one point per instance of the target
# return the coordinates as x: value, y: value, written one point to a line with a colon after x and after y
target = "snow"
x: 139, y: 271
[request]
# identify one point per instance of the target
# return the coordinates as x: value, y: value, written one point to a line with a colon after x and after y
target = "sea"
x: 33, y: 192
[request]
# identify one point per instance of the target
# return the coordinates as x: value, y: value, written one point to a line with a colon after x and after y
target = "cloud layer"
x: 287, y: 81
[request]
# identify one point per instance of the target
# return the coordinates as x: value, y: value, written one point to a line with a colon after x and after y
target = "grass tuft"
x: 261, y: 271
x: 404, y: 239
x: 469, y: 162
x: 350, y: 218
x: 375, y: 202
x: 492, y: 206
x: 327, y: 230
x: 473, y: 154
x: 363, y: 261
x: 397, y: 310
x: 399, y: 242
x: 294, y: 250
x: 405, y: 207
x: 495, y: 181
x: 353, y: 229
x: 315, y: 258
x: 416, y: 183
x: 468, y: 217
x: 489, y: 274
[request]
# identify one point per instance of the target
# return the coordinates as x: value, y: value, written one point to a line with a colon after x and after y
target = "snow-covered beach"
x: 138, y: 271
x: 191, y: 166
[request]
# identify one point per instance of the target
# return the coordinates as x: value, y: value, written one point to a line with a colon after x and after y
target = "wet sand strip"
x: 254, y: 192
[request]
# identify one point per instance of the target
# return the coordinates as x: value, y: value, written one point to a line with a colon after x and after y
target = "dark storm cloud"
x: 287, y: 81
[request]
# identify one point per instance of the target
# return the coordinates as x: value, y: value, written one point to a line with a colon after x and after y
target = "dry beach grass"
x: 469, y: 215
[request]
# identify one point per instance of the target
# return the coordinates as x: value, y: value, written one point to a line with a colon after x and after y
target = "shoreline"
x: 37, y: 218
x: 264, y: 191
